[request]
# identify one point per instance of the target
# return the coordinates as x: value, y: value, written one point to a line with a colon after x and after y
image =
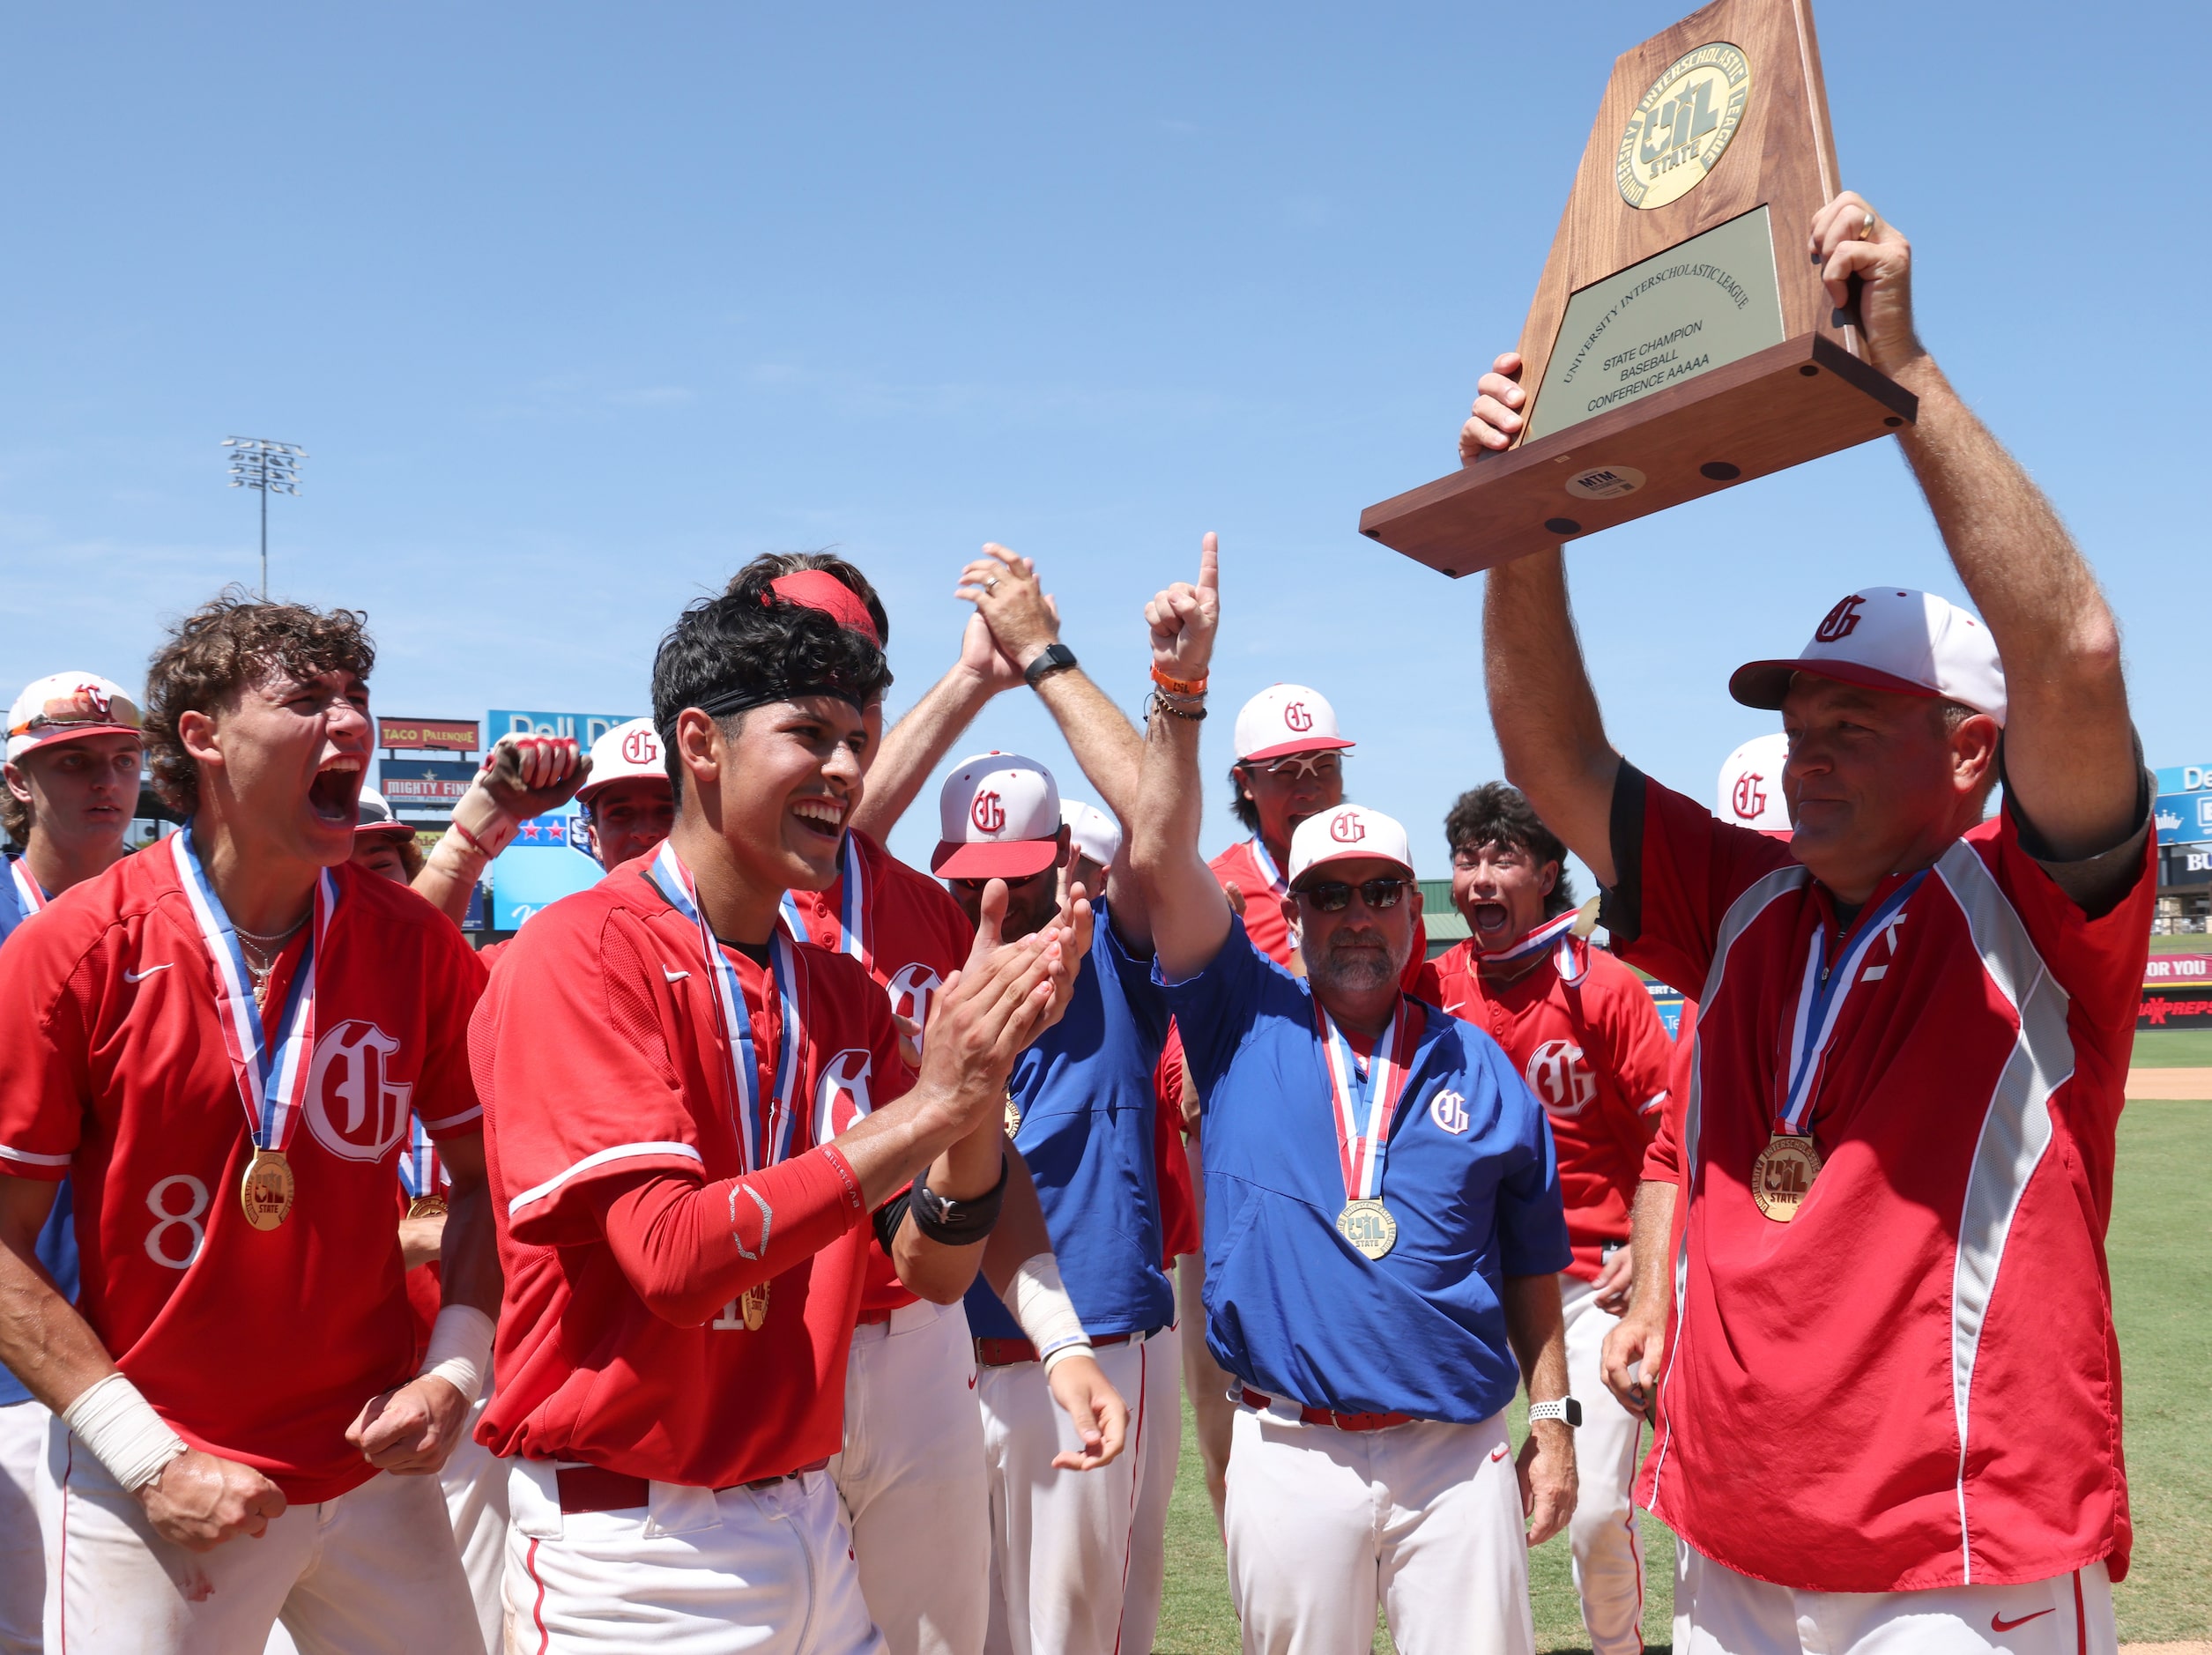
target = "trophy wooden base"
x: 1780, y: 407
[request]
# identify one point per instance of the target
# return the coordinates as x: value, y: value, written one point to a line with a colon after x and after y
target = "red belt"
x: 1330, y: 1416
x: 1004, y: 1353
x: 593, y: 1489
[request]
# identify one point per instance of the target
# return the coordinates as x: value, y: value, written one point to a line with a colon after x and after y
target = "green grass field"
x: 2186, y: 942
x: 2173, y: 1049
x: 2162, y: 1285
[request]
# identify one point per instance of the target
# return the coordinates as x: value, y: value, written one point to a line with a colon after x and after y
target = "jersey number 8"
x: 161, y: 1245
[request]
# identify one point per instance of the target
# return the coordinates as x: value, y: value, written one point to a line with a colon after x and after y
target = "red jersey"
x: 1248, y: 867
x: 1915, y: 1382
x: 599, y: 1056
x: 257, y: 1346
x: 1596, y: 1055
x: 1178, y: 1204
x: 910, y: 935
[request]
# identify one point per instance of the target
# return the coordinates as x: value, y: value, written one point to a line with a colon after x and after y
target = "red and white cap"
x: 377, y: 819
x: 1346, y: 832
x: 1096, y: 836
x: 1891, y: 638
x: 69, y: 707
x: 627, y: 752
x: 1750, y: 793
x: 1283, y: 719
x: 1000, y: 813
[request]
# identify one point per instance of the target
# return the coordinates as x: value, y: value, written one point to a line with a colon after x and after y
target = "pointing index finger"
x: 1210, y: 563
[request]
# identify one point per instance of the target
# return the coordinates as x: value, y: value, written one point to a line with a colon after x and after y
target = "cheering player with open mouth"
x: 220, y: 1040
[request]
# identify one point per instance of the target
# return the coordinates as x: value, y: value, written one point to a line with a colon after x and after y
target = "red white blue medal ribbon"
x: 272, y: 1070
x: 1820, y: 1005
x: 1266, y: 865
x: 28, y: 894
x: 852, y: 908
x: 764, y: 1126
x: 1552, y: 931
x: 420, y: 1172
x: 1360, y: 1149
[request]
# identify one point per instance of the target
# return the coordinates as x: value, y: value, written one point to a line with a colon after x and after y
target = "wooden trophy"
x: 1680, y: 340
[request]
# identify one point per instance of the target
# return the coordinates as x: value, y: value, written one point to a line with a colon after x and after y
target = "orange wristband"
x: 1178, y: 686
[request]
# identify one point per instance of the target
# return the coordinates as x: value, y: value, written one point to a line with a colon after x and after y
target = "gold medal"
x: 1368, y: 1227
x: 427, y: 1207
x: 753, y: 1304
x: 1013, y: 1116
x: 266, y: 1190
x: 1783, y: 1176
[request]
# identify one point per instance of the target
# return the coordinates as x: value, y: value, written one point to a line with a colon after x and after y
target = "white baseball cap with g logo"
x: 1348, y: 833
x: 1891, y: 638
x: 1000, y: 813
x: 627, y: 752
x: 1750, y: 793
x: 1283, y: 719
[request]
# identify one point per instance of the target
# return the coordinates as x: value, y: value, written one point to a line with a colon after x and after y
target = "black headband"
x: 740, y: 698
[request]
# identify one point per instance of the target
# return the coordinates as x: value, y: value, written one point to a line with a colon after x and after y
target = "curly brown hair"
x: 222, y: 649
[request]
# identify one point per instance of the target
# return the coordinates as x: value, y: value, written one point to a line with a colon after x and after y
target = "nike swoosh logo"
x: 129, y: 976
x: 674, y: 976
x: 971, y: 1382
x: 1497, y: 1453
x: 1998, y: 1623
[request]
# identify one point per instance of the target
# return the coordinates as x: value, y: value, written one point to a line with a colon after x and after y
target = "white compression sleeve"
x: 460, y: 1349
x: 1047, y: 1314
x: 125, y: 1435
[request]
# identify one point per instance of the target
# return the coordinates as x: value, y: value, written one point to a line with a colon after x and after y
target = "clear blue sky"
x: 577, y: 307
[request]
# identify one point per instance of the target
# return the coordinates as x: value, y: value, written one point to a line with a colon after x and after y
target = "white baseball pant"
x: 1064, y: 1544
x: 1423, y: 1518
x: 22, y: 1554
x: 1608, y: 1550
x: 372, y: 1572
x: 1155, y: 1489
x: 768, y: 1571
x: 911, y: 1478
x: 1719, y: 1612
x: 474, y: 1484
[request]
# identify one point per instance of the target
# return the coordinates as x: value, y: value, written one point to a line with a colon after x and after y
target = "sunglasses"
x: 1304, y: 764
x: 1333, y: 897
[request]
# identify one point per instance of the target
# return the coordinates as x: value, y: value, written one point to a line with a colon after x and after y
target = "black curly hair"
x: 730, y: 653
x: 1496, y: 813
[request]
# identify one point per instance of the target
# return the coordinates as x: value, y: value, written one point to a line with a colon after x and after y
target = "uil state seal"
x: 1682, y: 125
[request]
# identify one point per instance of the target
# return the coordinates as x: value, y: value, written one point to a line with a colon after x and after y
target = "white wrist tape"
x: 123, y: 1432
x: 460, y: 1350
x: 1047, y: 1314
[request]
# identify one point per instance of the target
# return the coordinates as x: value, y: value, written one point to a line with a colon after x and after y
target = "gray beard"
x: 1352, y: 972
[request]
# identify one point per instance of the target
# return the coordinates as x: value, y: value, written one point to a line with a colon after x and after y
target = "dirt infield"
x: 2150, y: 1084
x: 2195, y: 1647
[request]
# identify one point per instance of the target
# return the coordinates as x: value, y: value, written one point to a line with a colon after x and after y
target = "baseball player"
x: 1579, y: 1027
x: 244, y: 1429
x: 1383, y: 1228
x: 1289, y: 767
x: 73, y: 754
x: 910, y: 1473
x: 1888, y: 1416
x: 685, y: 1246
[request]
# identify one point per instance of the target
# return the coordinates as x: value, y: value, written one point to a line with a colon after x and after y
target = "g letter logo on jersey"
x: 1841, y: 622
x: 1560, y: 1078
x: 1449, y: 1110
x: 352, y: 1109
x: 1347, y: 830
x: 988, y: 813
x: 842, y: 1096
x: 911, y: 991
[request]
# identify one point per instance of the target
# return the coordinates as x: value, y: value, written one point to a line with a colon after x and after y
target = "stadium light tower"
x: 272, y: 468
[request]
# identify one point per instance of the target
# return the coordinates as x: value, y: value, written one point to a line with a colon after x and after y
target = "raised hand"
x: 1022, y: 619
x: 1850, y: 238
x: 982, y: 659
x: 200, y: 1501
x: 1184, y: 618
x: 1498, y: 413
x: 529, y: 776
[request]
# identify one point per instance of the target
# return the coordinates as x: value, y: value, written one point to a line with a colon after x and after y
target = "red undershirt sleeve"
x: 687, y: 1249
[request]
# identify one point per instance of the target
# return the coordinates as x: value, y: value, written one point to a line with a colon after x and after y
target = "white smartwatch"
x: 1566, y: 1409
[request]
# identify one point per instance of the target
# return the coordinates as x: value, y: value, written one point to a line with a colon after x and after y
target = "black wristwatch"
x: 1054, y: 657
